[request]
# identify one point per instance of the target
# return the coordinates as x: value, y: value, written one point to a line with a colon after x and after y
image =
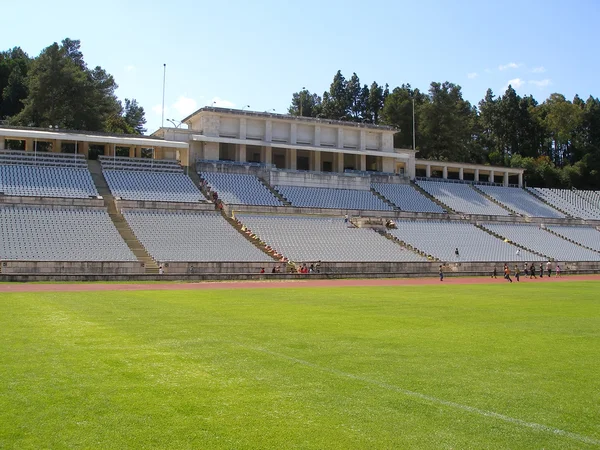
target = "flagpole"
x: 162, y: 124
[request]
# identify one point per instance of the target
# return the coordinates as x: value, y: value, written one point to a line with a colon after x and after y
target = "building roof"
x: 87, y: 136
x: 267, y: 115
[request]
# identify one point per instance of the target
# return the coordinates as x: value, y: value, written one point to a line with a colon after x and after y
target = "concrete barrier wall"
x: 315, y: 179
x: 72, y: 267
x: 10, y: 200
x: 168, y: 206
x: 217, y: 267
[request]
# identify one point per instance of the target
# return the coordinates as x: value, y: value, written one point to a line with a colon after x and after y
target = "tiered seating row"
x: 309, y: 197
x: 461, y: 198
x: 535, y: 238
x: 40, y: 234
x: 240, y: 189
x: 156, y: 165
x: 407, y: 198
x: 152, y: 186
x: 325, y: 239
x: 520, y: 201
x: 572, y: 202
x: 41, y: 181
x: 588, y: 236
x: 42, y: 159
x: 185, y: 236
x: 441, y: 239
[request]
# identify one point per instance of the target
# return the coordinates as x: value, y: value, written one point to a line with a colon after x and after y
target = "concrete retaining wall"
x: 9, y: 200
x: 169, y: 206
x: 73, y: 267
x: 315, y: 179
x: 215, y: 267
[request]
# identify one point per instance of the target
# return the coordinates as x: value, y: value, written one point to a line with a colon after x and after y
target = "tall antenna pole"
x: 414, y: 146
x: 162, y: 123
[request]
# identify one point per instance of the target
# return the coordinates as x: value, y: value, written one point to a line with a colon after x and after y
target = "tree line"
x: 57, y: 88
x: 557, y: 141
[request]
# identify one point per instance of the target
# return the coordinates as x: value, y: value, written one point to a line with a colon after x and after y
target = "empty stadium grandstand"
x: 240, y: 189
x: 304, y: 239
x: 541, y: 241
x: 143, y: 179
x: 571, y: 202
x: 587, y: 236
x: 45, y: 175
x: 186, y: 236
x: 461, y: 197
x: 519, y: 201
x: 441, y: 239
x: 311, y: 197
x: 407, y: 198
x: 63, y: 234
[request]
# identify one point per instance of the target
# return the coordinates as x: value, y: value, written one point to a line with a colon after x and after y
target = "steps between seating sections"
x: 119, y: 221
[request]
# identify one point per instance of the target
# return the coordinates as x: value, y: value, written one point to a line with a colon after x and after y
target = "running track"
x: 79, y: 287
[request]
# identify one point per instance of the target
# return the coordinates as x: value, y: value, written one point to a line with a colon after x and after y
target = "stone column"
x: 293, y: 134
x: 268, y: 155
x: 340, y: 138
x: 241, y: 156
x: 293, y: 158
x: 2, y: 143
x: 492, y: 177
x: 29, y: 145
x: 363, y: 162
x: 243, y: 128
x: 268, y: 130
x: 505, y: 180
x: 56, y: 146
x: 461, y: 174
x: 317, y: 161
x: 362, y: 140
x: 477, y: 175
x: 520, y: 179
x: 340, y: 162
x: 317, y: 136
x: 428, y: 170
x: 445, y: 172
x: 85, y: 148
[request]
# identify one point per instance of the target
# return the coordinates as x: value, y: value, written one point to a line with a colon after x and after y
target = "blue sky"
x: 238, y: 53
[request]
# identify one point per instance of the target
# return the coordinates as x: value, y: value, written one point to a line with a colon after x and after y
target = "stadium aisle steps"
x: 275, y: 192
x: 431, y: 197
x: 383, y: 199
x: 118, y: 220
x: 238, y: 226
x: 493, y: 200
x: 541, y: 199
x: 198, y: 183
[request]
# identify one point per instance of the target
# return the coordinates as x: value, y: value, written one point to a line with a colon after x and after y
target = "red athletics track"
x: 79, y: 287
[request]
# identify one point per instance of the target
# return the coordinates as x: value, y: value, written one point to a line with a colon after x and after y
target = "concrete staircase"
x: 275, y: 192
x: 431, y: 197
x: 545, y: 202
x: 198, y: 182
x: 119, y: 221
x: 384, y: 200
x: 254, y: 241
x: 522, y: 247
x: 570, y: 240
x: 406, y: 245
x: 493, y: 200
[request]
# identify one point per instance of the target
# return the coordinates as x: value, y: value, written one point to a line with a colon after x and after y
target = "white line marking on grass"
x: 435, y: 400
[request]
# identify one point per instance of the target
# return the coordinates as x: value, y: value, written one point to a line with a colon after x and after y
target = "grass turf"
x: 390, y: 367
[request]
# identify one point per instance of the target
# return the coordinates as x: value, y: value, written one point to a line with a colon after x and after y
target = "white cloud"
x: 488, y: 70
x: 472, y: 75
x: 220, y: 103
x: 510, y: 65
x: 184, y: 106
x: 540, y: 69
x: 129, y: 68
x: 541, y: 83
x: 157, y: 109
x: 516, y: 83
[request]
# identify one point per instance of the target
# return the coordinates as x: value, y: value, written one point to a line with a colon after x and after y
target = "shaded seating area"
x: 239, y: 189
x: 407, y: 198
x: 311, y: 197
x: 520, y: 201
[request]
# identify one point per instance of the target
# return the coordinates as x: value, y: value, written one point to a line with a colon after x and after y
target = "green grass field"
x: 482, y: 366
